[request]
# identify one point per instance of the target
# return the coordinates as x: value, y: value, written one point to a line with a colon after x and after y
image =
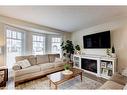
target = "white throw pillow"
x: 58, y: 60
x: 24, y: 63
x: 124, y: 72
x: 125, y: 87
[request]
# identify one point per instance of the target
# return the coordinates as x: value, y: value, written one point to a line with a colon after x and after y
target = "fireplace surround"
x: 96, y: 64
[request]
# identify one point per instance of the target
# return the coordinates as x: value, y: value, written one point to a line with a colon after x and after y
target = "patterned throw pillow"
x: 24, y: 63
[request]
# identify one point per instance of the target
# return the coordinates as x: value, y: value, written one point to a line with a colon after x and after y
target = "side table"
x: 3, y: 76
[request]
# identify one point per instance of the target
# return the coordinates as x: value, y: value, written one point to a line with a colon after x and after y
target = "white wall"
x: 119, y: 39
x: 77, y: 37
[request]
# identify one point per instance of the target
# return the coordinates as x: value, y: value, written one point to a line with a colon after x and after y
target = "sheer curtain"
x: 14, y: 45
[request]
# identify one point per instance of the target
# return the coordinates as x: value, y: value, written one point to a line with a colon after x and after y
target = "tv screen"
x: 98, y: 40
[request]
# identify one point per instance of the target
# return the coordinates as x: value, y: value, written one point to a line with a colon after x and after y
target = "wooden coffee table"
x: 58, y: 78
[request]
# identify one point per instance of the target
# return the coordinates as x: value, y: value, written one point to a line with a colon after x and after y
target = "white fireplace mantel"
x: 99, y: 59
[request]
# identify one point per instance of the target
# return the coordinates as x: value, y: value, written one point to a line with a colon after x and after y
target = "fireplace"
x: 89, y: 65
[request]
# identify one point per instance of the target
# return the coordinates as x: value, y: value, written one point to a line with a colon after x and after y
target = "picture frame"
x: 110, y: 73
x: 103, y: 64
x: 105, y: 72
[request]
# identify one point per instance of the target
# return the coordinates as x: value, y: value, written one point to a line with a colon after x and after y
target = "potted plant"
x: 67, y: 67
x: 68, y: 49
x: 77, y: 47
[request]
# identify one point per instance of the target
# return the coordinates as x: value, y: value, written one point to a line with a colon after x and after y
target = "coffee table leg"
x: 49, y: 83
x: 81, y: 76
x: 53, y: 83
x: 55, y: 86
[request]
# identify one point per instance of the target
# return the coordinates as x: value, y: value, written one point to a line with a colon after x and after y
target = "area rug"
x: 73, y: 84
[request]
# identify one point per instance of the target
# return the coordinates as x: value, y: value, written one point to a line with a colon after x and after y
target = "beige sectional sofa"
x: 40, y: 65
x: 117, y: 82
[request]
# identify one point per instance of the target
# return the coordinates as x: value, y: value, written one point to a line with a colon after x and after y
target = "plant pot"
x: 67, y: 71
x: 78, y: 52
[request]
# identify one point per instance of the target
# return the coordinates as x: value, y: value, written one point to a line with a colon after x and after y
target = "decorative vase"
x: 113, y: 55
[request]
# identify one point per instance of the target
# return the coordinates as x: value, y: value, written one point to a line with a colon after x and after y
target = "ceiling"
x: 65, y: 18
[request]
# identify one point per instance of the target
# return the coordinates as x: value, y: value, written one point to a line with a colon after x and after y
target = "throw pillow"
x: 124, y: 72
x: 24, y: 63
x: 125, y: 87
x: 16, y: 67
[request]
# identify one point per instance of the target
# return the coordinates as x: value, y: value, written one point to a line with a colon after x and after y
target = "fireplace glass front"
x: 89, y: 65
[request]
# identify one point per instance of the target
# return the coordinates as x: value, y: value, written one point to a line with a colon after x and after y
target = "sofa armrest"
x: 16, y: 67
x: 117, y: 77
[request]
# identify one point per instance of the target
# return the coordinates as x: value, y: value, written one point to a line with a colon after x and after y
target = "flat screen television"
x: 98, y: 40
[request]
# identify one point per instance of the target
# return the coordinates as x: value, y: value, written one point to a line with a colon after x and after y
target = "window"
x: 14, y: 45
x: 38, y: 44
x: 56, y: 42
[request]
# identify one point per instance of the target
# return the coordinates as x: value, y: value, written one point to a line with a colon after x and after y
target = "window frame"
x: 7, y: 27
x: 11, y: 28
x: 56, y: 36
x: 44, y: 42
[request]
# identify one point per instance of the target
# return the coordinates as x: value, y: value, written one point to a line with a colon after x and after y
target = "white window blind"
x: 55, y: 45
x: 38, y: 44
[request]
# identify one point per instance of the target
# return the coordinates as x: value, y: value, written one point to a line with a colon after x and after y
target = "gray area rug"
x: 73, y: 84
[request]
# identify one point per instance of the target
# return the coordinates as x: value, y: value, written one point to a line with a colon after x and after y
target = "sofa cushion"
x: 59, y: 64
x: 58, y: 60
x: 119, y: 78
x: 31, y: 58
x: 124, y: 72
x: 46, y: 66
x: 42, y: 59
x: 111, y: 85
x: 52, y: 57
x: 31, y: 69
x: 24, y: 63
